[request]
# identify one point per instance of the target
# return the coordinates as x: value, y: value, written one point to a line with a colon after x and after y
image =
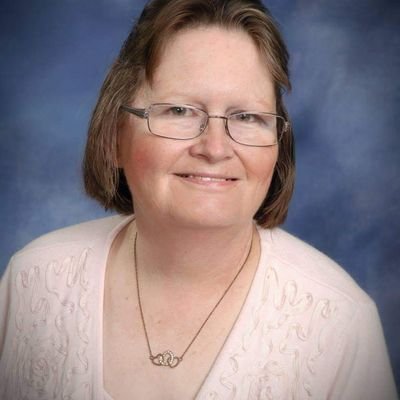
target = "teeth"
x: 207, y: 178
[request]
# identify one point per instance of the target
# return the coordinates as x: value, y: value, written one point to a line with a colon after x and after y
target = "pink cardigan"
x: 306, y: 330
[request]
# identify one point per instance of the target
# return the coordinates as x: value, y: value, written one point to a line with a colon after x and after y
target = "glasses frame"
x: 144, y: 113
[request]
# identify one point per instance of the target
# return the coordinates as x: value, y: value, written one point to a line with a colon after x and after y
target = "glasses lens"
x: 176, y: 121
x: 253, y: 129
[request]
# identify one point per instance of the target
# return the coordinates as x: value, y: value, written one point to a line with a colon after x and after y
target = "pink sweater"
x: 306, y: 330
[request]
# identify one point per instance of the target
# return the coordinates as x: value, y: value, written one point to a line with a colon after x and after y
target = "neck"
x: 184, y: 255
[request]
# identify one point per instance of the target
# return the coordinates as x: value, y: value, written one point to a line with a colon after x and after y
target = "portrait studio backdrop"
x: 345, y: 108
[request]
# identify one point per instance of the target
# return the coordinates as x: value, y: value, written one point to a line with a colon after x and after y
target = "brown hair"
x: 137, y: 62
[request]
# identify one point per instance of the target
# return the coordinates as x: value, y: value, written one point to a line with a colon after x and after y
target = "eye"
x: 175, y: 111
x: 179, y: 111
x: 247, y: 118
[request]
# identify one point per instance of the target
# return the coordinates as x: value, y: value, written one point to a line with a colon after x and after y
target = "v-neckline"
x: 232, y: 337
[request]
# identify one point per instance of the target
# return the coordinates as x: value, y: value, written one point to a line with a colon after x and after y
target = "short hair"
x: 136, y: 64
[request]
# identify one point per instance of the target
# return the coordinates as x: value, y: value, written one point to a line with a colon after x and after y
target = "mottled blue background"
x: 345, y: 108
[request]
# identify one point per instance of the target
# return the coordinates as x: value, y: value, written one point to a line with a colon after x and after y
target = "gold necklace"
x: 168, y: 358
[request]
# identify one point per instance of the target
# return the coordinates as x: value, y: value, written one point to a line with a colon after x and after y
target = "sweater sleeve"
x: 365, y: 373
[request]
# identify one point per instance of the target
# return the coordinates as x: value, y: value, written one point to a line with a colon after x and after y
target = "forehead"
x: 212, y: 61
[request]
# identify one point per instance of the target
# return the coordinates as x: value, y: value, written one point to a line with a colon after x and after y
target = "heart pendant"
x: 166, y: 359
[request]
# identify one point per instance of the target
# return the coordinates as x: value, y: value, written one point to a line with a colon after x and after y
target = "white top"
x: 306, y: 330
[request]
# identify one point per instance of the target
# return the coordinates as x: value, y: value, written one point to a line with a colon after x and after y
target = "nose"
x: 214, y: 144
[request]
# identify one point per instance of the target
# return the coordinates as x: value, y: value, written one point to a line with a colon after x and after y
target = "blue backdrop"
x: 345, y: 109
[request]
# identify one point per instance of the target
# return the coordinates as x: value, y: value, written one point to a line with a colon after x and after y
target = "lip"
x: 207, y: 179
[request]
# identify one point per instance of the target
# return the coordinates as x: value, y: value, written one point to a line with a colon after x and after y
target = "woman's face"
x: 209, y: 181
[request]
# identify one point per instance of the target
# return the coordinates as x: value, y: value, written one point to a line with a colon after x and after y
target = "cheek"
x: 264, y: 166
x: 139, y: 171
x: 132, y: 150
x: 263, y: 171
x: 141, y: 159
x: 263, y: 184
x: 135, y: 155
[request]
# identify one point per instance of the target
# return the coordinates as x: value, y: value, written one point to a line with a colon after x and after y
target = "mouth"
x: 207, y: 178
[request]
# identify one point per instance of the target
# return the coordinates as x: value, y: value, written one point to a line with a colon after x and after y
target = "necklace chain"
x: 168, y: 358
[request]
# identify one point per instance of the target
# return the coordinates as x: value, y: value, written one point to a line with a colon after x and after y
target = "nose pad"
x: 202, y: 127
x: 213, y: 146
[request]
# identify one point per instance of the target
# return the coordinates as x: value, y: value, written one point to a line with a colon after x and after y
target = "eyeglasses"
x: 184, y: 122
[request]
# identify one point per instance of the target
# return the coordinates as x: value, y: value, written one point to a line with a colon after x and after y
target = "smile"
x: 206, y: 178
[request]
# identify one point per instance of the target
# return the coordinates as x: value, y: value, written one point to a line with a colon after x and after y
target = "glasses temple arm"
x: 139, y: 112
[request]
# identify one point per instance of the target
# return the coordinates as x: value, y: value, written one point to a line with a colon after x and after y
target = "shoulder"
x: 71, y: 243
x: 57, y: 262
x: 85, y: 233
x: 51, y: 298
x: 313, y: 296
x: 302, y: 261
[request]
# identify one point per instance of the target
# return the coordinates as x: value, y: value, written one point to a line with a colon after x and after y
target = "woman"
x: 198, y: 294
